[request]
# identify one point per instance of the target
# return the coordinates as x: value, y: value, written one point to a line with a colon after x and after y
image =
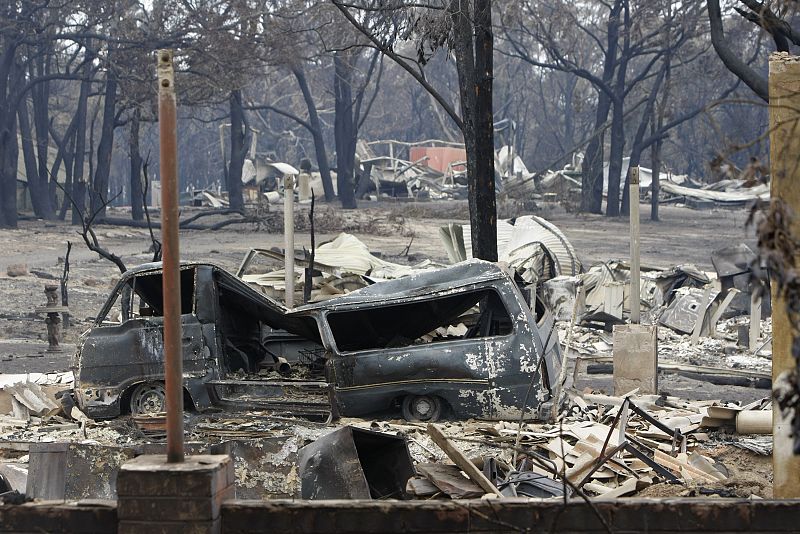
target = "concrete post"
x: 635, y: 359
x: 784, y: 114
x: 288, y: 236
x: 156, y: 496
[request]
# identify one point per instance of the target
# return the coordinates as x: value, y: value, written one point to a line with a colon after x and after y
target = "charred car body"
x: 459, y: 342
x: 229, y: 332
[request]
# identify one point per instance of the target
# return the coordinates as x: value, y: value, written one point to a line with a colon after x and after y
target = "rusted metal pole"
x: 173, y: 353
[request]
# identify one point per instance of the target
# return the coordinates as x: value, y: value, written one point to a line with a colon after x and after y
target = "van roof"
x: 464, y: 275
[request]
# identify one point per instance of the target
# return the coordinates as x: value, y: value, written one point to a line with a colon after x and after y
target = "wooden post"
x: 634, y: 215
x: 464, y: 463
x: 784, y: 103
x: 288, y: 237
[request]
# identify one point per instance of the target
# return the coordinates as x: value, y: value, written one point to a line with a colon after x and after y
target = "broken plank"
x: 626, y: 488
x: 421, y: 487
x: 682, y: 468
x: 458, y: 457
x: 448, y: 479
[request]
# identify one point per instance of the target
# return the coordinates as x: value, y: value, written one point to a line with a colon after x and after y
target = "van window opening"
x: 144, y: 296
x: 468, y: 315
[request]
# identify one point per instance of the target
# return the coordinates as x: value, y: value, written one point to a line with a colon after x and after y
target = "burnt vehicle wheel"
x: 425, y: 408
x: 148, y: 398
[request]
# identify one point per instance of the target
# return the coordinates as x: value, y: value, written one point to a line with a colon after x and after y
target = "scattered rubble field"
x: 404, y: 233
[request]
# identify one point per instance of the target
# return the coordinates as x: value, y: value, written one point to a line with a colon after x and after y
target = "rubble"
x: 524, y: 458
x: 353, y: 463
x: 343, y: 265
x: 533, y: 247
x: 433, y: 170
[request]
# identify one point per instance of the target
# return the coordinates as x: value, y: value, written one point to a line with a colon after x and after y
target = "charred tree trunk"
x: 344, y: 129
x: 65, y: 155
x: 56, y: 169
x: 485, y: 246
x: 638, y: 144
x: 38, y: 191
x: 569, y: 111
x: 68, y: 157
x: 137, y: 192
x: 9, y: 154
x: 473, y: 46
x: 78, y: 176
x: 316, y: 135
x: 617, y: 149
x: 238, y: 151
x: 40, y: 97
x: 655, y: 163
x: 99, y: 190
x: 592, y: 172
x: 754, y: 79
x: 10, y: 77
x: 592, y: 175
x: 615, y: 159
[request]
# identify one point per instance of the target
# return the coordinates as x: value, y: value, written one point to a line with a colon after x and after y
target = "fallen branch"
x: 89, y: 237
x: 226, y: 211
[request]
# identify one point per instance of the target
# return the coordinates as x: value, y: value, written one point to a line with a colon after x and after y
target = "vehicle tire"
x: 148, y: 398
x: 422, y: 408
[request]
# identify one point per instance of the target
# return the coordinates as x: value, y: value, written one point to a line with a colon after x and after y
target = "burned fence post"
x: 784, y: 119
x: 53, y: 320
x: 173, y: 351
x: 64, y: 284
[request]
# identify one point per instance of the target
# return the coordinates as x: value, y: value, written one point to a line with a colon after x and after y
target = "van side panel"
x: 118, y: 357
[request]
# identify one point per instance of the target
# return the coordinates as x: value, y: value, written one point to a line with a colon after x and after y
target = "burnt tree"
x: 314, y: 126
x: 474, y: 48
x: 137, y: 191
x: 239, y: 134
x: 348, y: 118
x: 345, y: 132
x: 466, y: 25
x: 100, y: 181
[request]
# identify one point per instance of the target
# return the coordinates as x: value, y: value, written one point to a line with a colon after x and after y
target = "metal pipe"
x: 288, y: 237
x: 171, y: 278
x: 635, y: 280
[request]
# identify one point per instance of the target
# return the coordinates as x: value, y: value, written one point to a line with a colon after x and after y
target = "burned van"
x: 459, y: 342
x: 235, y: 342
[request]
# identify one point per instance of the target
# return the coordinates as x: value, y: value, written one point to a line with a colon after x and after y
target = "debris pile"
x: 434, y: 170
x: 340, y: 266
x: 565, y: 185
x: 531, y: 246
x: 683, y: 298
x: 603, y: 448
